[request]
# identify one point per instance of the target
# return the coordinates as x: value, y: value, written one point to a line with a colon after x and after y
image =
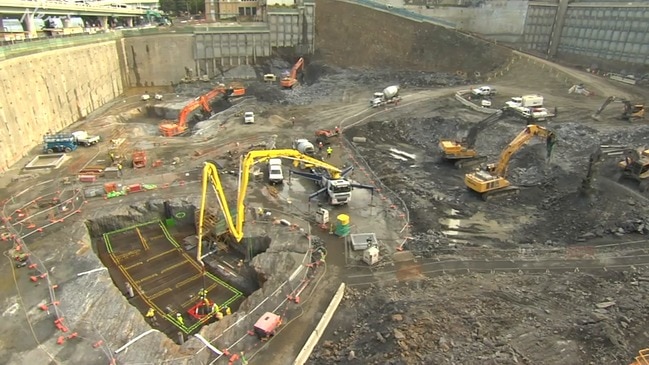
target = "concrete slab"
x: 51, y: 161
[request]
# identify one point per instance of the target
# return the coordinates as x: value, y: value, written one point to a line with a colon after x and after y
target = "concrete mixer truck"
x: 303, y: 145
x: 389, y: 95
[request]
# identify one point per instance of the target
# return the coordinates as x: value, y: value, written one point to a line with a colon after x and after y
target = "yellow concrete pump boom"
x: 211, y: 177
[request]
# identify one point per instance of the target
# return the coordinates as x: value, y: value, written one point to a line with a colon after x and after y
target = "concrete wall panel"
x: 49, y: 91
x: 595, y: 34
x: 158, y: 60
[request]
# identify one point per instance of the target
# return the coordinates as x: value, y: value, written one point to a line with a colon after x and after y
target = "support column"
x: 557, y: 28
x: 28, y: 19
x: 103, y: 22
x: 129, y: 22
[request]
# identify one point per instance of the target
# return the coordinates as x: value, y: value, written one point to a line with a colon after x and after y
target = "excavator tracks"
x: 467, y: 163
x: 501, y: 193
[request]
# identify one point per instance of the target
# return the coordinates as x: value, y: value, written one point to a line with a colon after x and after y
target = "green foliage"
x: 182, y: 6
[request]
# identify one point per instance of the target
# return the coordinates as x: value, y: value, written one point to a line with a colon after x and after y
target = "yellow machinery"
x: 463, y: 153
x: 492, y: 181
x: 211, y: 177
x: 635, y: 166
x: 642, y: 358
x: 631, y: 111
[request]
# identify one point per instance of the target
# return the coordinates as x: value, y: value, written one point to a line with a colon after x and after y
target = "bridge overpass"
x: 115, y: 8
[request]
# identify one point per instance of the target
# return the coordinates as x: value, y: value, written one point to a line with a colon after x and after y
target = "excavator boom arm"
x: 186, y: 111
x: 472, y: 136
x: 528, y: 133
x: 601, y: 154
x: 298, y: 65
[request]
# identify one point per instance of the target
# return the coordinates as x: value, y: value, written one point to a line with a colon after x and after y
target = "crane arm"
x: 480, y: 126
x: 528, y: 133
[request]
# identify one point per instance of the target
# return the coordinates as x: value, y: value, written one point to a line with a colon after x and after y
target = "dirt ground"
x: 552, y: 276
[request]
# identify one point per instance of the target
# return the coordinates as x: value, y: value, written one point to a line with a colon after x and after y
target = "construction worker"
x: 293, y: 121
x: 320, y: 146
x: 179, y: 318
x: 119, y: 169
x: 112, y: 157
x: 150, y: 314
x: 228, y: 311
x: 337, y: 130
x: 329, y: 151
x: 219, y: 316
x: 202, y: 293
x: 244, y: 361
x: 215, y: 308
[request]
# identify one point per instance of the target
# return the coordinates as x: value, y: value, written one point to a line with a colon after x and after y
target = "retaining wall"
x: 50, y: 90
x: 611, y: 35
x: 501, y: 20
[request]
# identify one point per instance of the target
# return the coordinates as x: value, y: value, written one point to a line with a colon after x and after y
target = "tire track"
x: 540, y: 266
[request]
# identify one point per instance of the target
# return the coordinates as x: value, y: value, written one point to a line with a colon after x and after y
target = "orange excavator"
x: 170, y: 129
x: 290, y: 80
x: 237, y: 89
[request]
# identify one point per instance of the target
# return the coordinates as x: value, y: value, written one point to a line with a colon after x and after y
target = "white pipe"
x: 91, y: 271
x: 208, y: 344
x: 129, y: 343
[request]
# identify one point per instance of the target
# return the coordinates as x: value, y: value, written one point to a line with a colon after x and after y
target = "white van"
x: 275, y: 174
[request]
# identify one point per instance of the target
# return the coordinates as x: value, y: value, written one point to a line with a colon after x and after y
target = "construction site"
x: 430, y: 198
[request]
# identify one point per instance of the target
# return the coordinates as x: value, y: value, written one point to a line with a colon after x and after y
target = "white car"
x: 249, y: 118
x: 275, y: 175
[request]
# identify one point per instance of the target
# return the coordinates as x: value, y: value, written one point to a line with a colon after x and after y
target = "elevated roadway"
x: 62, y: 8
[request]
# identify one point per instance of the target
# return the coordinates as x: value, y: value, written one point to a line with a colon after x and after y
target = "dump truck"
x: 389, y: 95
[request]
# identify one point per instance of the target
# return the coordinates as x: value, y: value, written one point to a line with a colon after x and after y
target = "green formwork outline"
x: 171, y: 319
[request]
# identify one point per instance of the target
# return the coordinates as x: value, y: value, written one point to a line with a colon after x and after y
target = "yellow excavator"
x: 635, y: 166
x: 211, y: 178
x: 491, y: 181
x: 631, y: 111
x: 462, y: 153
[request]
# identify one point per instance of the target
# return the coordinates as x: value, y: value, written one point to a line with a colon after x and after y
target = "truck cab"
x: 275, y: 174
x: 84, y: 139
x: 339, y: 191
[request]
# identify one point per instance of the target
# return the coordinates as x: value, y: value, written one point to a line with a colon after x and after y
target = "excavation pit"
x: 164, y: 277
x: 51, y: 161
